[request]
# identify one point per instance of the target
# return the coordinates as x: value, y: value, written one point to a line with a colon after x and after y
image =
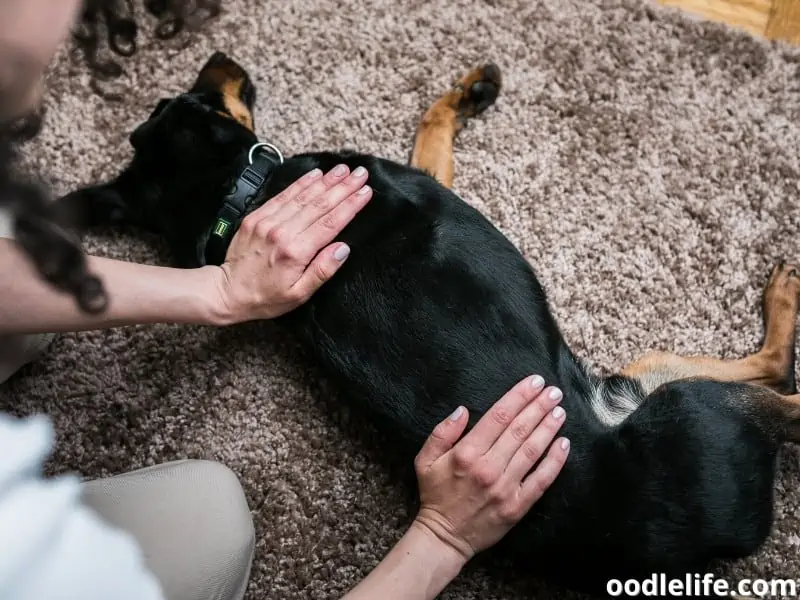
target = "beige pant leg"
x: 18, y: 350
x: 192, y: 522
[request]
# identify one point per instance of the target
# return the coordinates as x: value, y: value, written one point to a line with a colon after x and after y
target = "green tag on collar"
x: 221, y: 227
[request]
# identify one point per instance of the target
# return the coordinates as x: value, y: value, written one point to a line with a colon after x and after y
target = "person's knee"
x: 225, y: 498
x: 16, y: 351
x: 224, y: 495
x: 192, y: 521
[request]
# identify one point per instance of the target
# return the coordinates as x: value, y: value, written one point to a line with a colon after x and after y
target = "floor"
x: 773, y: 19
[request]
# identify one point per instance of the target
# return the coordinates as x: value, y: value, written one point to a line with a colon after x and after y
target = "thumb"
x: 443, y: 437
x: 321, y: 269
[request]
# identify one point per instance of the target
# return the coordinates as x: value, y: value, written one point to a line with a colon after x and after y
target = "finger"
x: 317, y: 208
x: 329, y: 226
x: 534, y: 447
x: 538, y: 482
x: 287, y: 209
x: 320, y: 270
x: 497, y: 419
x: 312, y: 183
x: 290, y: 193
x: 523, y: 426
x: 442, y: 439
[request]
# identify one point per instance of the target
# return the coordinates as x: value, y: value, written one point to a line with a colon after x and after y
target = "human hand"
x: 474, y: 491
x: 282, y: 252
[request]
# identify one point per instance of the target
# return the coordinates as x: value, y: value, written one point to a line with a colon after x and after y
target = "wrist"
x: 419, y: 567
x: 213, y: 307
x: 439, y: 552
x: 431, y: 522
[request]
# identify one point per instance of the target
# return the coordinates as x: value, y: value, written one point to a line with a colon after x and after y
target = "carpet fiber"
x: 647, y: 164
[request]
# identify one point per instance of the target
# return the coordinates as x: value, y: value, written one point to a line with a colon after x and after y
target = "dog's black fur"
x: 436, y: 308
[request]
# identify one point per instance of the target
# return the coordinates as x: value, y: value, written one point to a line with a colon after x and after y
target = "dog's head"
x: 215, y: 112
x: 185, y: 155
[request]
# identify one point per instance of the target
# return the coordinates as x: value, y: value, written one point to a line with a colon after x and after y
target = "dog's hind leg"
x: 772, y: 366
x: 470, y: 96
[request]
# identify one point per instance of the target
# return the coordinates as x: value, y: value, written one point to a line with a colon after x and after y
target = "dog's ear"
x: 139, y: 134
x: 226, y: 77
x: 221, y: 71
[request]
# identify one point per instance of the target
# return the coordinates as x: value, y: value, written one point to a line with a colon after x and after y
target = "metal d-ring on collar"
x: 264, y: 145
x: 245, y: 189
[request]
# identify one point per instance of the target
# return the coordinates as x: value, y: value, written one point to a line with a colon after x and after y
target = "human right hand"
x: 284, y: 250
x: 474, y: 491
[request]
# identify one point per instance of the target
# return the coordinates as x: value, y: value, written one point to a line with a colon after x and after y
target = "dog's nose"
x: 218, y: 58
x: 492, y: 72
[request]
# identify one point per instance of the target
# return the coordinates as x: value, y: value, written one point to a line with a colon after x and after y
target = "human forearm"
x: 138, y: 294
x: 419, y: 567
x: 282, y: 253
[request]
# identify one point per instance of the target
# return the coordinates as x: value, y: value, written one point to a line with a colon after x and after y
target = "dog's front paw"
x: 478, y: 90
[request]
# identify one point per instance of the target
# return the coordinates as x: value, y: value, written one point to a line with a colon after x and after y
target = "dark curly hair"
x: 43, y: 229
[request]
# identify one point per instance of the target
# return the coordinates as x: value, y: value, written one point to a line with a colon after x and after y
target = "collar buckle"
x: 245, y: 189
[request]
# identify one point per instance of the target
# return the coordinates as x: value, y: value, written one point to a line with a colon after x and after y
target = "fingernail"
x: 341, y: 252
x: 558, y: 412
x: 314, y: 174
x: 555, y: 394
x: 359, y: 171
x: 363, y: 191
x: 456, y: 414
x: 565, y: 444
x: 340, y: 170
x: 537, y: 382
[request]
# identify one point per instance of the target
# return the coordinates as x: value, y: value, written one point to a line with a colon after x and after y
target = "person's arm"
x: 138, y: 294
x: 279, y: 257
x: 473, y: 491
x: 419, y: 566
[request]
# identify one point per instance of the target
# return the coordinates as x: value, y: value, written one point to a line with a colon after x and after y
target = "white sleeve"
x: 51, y: 545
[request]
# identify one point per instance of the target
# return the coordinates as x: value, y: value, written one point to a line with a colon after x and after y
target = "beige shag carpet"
x: 646, y: 163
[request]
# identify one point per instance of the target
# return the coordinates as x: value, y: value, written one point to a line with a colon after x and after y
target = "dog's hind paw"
x: 780, y: 304
x: 783, y: 286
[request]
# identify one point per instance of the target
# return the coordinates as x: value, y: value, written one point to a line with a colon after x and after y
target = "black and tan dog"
x: 672, y: 462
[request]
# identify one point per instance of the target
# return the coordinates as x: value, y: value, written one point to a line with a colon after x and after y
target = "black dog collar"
x: 262, y: 160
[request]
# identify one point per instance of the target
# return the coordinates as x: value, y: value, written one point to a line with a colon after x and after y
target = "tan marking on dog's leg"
x: 439, y: 126
x: 657, y: 368
x: 433, y: 147
x: 772, y: 366
x: 781, y: 300
x: 783, y: 415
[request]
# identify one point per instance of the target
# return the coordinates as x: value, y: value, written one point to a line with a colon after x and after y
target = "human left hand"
x: 473, y: 490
